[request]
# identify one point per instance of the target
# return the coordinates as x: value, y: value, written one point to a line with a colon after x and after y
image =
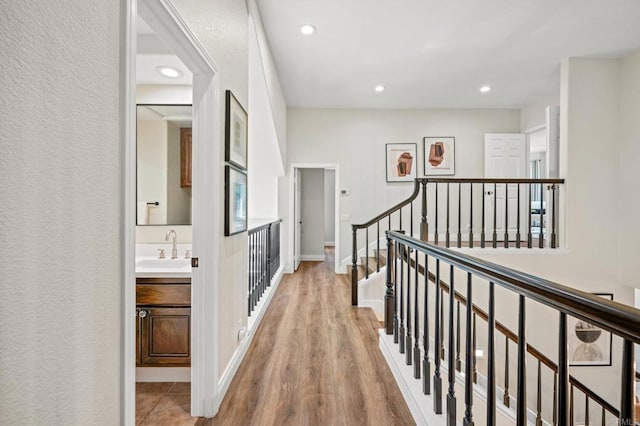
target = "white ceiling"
x: 437, y: 53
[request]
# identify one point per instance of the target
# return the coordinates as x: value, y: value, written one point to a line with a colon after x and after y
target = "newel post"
x: 424, y: 226
x: 390, y: 296
x: 354, y: 268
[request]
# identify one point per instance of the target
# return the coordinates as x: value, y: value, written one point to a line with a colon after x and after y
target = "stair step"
x: 371, y: 262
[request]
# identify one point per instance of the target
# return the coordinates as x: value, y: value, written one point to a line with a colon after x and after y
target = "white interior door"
x: 297, y: 181
x: 505, y: 156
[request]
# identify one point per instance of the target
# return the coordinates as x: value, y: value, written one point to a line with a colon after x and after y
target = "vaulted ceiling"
x: 437, y: 54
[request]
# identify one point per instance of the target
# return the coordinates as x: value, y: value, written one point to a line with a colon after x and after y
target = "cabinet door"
x: 185, y: 157
x: 165, y: 337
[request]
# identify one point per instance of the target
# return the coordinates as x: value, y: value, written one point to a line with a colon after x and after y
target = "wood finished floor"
x: 314, y: 361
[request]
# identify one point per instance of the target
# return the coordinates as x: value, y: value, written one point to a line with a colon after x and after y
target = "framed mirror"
x: 163, y: 141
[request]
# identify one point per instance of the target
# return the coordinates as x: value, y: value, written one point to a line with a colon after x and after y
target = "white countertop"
x: 148, y: 265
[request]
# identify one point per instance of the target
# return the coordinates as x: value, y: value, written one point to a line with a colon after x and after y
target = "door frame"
x: 162, y: 16
x: 292, y: 189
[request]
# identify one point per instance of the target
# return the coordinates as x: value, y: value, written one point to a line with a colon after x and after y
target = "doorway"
x: 169, y: 27
x: 315, y: 206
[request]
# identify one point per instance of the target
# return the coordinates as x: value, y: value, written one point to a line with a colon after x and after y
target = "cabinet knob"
x: 142, y: 313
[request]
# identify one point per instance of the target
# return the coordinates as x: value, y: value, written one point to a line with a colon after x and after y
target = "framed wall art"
x: 235, y: 135
x: 401, y: 162
x: 439, y: 155
x: 235, y: 201
x: 588, y: 345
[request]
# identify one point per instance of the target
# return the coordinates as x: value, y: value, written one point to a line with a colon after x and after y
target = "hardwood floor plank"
x: 314, y: 361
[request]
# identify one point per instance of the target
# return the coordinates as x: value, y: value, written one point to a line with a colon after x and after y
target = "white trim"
x: 535, y: 129
x: 163, y: 374
x: 162, y: 16
x: 329, y: 243
x: 339, y: 267
x: 312, y: 257
x: 241, y: 351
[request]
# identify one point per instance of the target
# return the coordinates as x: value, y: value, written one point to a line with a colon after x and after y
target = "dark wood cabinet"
x: 185, y: 157
x: 164, y: 322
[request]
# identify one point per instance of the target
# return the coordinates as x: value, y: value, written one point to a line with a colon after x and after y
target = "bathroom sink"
x: 163, y: 263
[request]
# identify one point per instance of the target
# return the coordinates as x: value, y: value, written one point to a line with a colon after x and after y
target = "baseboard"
x: 163, y: 374
x: 312, y: 257
x: 241, y: 351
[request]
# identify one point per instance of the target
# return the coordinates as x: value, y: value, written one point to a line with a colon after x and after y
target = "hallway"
x: 314, y: 361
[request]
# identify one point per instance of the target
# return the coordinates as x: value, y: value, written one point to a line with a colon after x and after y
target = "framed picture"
x: 401, y: 162
x: 235, y: 134
x: 588, y: 344
x: 439, y: 156
x: 235, y: 201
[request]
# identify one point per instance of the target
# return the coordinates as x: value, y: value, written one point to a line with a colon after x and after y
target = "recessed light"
x: 307, y: 29
x: 485, y: 89
x: 379, y: 88
x: 169, y: 71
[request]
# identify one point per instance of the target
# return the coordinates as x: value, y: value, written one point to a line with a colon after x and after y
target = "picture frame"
x: 401, y: 161
x: 236, y: 132
x: 235, y: 201
x: 588, y: 345
x: 439, y: 155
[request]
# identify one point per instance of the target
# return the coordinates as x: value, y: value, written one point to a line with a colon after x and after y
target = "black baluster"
x: 437, y: 379
x: 518, y: 219
x: 458, y: 360
x: 506, y: 399
x: 506, y: 215
x: 435, y: 233
x: 366, y: 253
x: 468, y: 360
x: 451, y: 396
x: 354, y: 266
x: 539, y: 397
x: 495, y: 216
x: 416, y: 322
x: 442, y: 324
x: 411, y: 219
x: 571, y: 405
x: 459, y: 215
x: 604, y: 417
x: 482, y: 234
x: 249, y: 301
x: 475, y: 358
x: 542, y: 209
x: 470, y: 215
x: 389, y: 225
x: 401, y: 332
x: 521, y: 417
x: 555, y: 398
x: 426, y: 367
x: 554, y: 236
x: 491, y: 358
x: 447, y: 234
x: 529, y: 236
x: 408, y: 336
x: 378, y: 246
x: 627, y: 394
x: 424, y: 226
x: 400, y: 213
x: 563, y: 372
x: 396, y: 321
x: 389, y: 297
x: 586, y: 409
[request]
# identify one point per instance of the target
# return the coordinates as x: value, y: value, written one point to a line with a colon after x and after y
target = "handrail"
x: 611, y: 316
x: 491, y: 180
x: 257, y: 228
x: 414, y: 195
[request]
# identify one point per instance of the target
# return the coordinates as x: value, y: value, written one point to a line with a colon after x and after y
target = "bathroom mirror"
x: 164, y: 164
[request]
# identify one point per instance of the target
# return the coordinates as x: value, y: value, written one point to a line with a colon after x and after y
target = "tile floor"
x: 164, y: 403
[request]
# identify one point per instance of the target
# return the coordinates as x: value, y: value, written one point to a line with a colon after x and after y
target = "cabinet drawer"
x: 166, y: 294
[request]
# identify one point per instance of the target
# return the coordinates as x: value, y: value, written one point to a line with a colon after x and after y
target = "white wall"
x: 178, y: 198
x: 329, y: 206
x: 355, y: 139
x: 61, y: 213
x: 312, y: 213
x: 533, y: 115
x: 152, y: 168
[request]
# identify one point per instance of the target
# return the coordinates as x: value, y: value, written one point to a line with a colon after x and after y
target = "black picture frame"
x: 236, y: 132
x: 603, y: 343
x: 235, y: 201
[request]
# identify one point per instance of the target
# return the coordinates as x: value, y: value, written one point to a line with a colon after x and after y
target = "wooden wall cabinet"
x: 164, y: 322
x: 185, y: 157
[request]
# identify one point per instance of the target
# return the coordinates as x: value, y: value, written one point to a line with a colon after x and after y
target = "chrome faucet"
x: 174, y: 249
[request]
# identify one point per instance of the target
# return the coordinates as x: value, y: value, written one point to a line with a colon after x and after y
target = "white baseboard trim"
x: 288, y: 269
x: 312, y: 257
x: 163, y: 374
x: 252, y: 326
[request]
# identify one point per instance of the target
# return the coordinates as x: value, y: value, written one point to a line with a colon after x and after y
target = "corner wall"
x: 60, y: 213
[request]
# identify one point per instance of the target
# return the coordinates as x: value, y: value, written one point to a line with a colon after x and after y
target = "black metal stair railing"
x: 411, y: 258
x: 508, y: 213
x: 264, y: 260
